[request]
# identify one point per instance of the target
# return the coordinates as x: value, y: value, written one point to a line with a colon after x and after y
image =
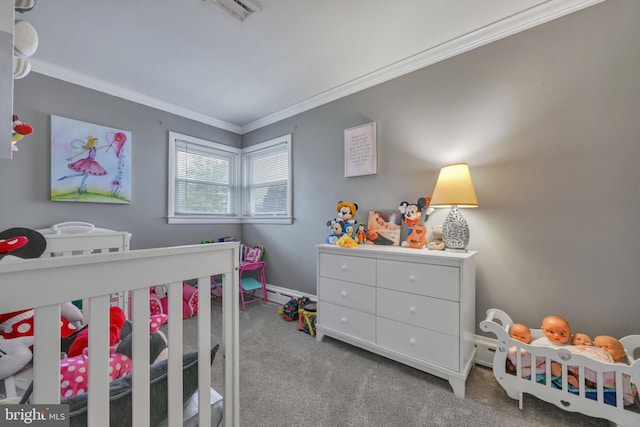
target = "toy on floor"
x: 307, y: 310
x: 289, y: 311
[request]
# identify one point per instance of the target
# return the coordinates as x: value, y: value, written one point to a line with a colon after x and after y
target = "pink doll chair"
x: 252, y: 277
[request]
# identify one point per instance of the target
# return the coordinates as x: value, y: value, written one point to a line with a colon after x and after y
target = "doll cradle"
x: 600, y: 402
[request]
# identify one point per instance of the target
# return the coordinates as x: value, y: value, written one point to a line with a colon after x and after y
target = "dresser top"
x: 396, y: 251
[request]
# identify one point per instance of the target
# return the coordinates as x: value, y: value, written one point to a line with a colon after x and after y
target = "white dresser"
x: 414, y: 306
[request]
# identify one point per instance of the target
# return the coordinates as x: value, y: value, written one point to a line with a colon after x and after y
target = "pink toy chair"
x: 249, y: 283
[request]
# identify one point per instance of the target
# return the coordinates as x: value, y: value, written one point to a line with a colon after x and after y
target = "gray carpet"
x: 287, y: 378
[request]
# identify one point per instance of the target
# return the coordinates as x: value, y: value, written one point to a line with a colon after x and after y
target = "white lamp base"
x: 455, y: 231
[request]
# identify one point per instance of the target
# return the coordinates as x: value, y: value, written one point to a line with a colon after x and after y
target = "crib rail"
x: 539, y: 382
x: 45, y: 283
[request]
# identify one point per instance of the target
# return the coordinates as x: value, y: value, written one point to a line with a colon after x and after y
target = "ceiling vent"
x: 240, y: 9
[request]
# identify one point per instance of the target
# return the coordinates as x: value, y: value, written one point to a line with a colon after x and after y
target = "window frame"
x: 239, y: 186
x: 249, y: 217
x: 234, y: 184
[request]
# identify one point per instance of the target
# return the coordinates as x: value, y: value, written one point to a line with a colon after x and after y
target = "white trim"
x: 71, y: 76
x: 537, y: 15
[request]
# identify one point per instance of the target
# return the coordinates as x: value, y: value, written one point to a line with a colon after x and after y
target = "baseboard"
x: 281, y: 295
x: 485, y: 347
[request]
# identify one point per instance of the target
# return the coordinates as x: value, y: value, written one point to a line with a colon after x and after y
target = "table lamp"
x: 454, y: 189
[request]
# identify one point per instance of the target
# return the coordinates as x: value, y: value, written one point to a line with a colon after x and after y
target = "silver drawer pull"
x: 344, y: 293
x: 343, y: 320
x: 412, y: 309
x: 412, y: 341
x: 412, y: 278
x: 343, y: 268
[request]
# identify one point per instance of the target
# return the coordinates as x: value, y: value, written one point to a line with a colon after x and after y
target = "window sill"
x: 236, y: 220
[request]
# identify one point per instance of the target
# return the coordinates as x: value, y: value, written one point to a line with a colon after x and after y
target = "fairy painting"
x: 89, y: 163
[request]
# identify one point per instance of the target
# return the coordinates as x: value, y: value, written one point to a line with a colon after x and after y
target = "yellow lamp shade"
x: 454, y: 187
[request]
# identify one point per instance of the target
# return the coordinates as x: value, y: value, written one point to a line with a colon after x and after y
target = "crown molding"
x: 532, y: 17
x: 67, y: 75
x: 536, y: 15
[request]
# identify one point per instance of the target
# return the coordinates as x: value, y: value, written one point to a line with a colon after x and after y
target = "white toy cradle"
x: 103, y: 267
x: 590, y: 402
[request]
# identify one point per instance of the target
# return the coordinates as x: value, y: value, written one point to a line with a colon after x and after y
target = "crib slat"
x: 231, y: 331
x: 46, y: 355
x: 204, y: 349
x: 97, y: 405
x: 141, y: 376
x: 175, y: 382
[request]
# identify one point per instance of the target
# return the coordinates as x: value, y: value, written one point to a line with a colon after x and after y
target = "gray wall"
x: 548, y: 120
x: 26, y: 178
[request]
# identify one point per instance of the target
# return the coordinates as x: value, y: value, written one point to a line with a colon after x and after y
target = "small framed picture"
x: 360, y: 150
x: 384, y: 227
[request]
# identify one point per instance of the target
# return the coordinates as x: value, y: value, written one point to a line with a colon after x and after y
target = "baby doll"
x: 612, y: 346
x: 522, y: 333
x: 556, y: 330
x: 581, y: 339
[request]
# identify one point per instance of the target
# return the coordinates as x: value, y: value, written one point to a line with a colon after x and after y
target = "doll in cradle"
x: 557, y: 332
x: 522, y: 333
x: 581, y: 339
x: 612, y: 346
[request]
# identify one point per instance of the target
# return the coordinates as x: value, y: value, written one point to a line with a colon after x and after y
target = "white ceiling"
x: 191, y: 58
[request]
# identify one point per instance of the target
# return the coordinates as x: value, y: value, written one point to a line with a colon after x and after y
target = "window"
x: 205, y: 183
x: 267, y: 181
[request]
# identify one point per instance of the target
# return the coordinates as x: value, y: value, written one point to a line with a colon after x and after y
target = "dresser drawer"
x: 347, y: 321
x: 438, y: 281
x: 424, y: 344
x: 351, y: 269
x: 348, y: 294
x: 425, y: 312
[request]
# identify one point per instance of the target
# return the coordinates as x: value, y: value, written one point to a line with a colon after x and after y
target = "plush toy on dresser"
x: 412, y: 215
x: 344, y: 223
x: 436, y: 243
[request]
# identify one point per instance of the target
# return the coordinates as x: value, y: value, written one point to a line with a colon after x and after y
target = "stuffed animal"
x: 412, y: 216
x: 361, y: 234
x: 159, y: 303
x: 337, y: 230
x: 346, y: 213
x: 19, y: 130
x: 346, y: 241
x: 436, y: 242
x: 116, y: 320
x: 14, y: 355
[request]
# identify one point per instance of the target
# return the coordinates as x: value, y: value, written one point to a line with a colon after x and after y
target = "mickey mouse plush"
x: 346, y: 213
x: 412, y: 215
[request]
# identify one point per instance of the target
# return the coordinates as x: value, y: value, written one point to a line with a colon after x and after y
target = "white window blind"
x: 205, y: 184
x: 203, y: 178
x: 267, y: 179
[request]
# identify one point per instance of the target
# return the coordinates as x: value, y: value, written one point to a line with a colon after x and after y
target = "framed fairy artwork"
x: 89, y: 162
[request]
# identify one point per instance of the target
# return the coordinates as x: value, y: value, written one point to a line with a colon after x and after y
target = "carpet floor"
x: 287, y: 378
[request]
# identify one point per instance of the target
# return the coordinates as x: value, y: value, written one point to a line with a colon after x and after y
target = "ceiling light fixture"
x: 240, y: 9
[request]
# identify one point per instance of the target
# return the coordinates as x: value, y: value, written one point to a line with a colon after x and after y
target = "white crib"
x: 499, y: 323
x: 103, y: 267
